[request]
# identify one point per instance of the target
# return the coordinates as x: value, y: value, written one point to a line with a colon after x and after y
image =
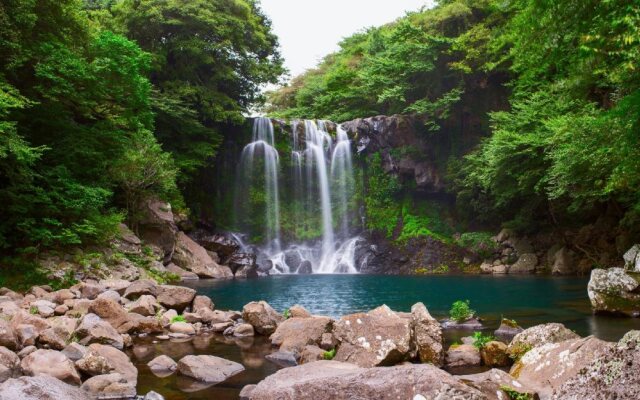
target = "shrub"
x: 480, y: 243
x: 328, y: 355
x: 480, y: 340
x: 515, y: 395
x: 286, y: 314
x: 460, y: 311
x: 178, y: 318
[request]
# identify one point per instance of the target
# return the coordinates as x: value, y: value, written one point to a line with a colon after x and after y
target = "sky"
x: 310, y: 29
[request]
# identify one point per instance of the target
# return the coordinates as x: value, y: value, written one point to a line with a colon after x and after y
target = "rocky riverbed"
x: 75, y: 344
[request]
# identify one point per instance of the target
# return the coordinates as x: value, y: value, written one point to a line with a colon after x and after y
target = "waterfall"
x: 318, y: 189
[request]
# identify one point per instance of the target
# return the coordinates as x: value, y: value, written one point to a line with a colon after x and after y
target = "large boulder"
x: 537, y: 336
x: 427, y: 335
x: 182, y: 273
x: 262, y: 317
x: 145, y: 305
x: 51, y: 363
x: 141, y: 287
x: 40, y: 388
x: 118, y: 361
x: 220, y: 244
x: 9, y: 364
x: 614, y: 291
x: 612, y: 375
x: 193, y: 257
x: 8, y: 337
x: 296, y: 333
x: 379, y: 337
x: 526, y: 264
x: 547, y: 367
x: 157, y: 226
x: 208, y: 369
x: 93, y: 329
x: 109, y: 386
x: 175, y: 297
x: 332, y: 380
x: 495, y: 385
x: 632, y: 258
x: 462, y: 356
x: 494, y: 354
x: 110, y: 311
x: 563, y: 262
x: 162, y: 366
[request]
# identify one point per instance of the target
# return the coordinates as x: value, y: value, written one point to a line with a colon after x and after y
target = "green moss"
x: 178, y: 318
x: 515, y: 395
x: 329, y: 355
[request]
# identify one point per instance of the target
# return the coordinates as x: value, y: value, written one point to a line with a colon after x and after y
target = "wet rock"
x: 526, y: 264
x: 507, y: 329
x: 494, y: 354
x: 175, y: 297
x: 545, y: 368
x: 493, y: 382
x: 220, y: 244
x: 332, y: 380
x: 427, y: 335
x: 537, y: 336
x: 109, y: 386
x: 614, y: 291
x: 9, y: 364
x: 243, y: 330
x: 379, y: 337
x: 296, y: 333
x: 208, y: 369
x: 40, y: 388
x: 93, y: 329
x: 465, y: 355
x: 305, y: 268
x: 262, y: 317
x: 193, y: 257
x: 153, y: 396
x: 293, y: 259
x: 162, y: 366
x: 51, y: 363
x: 283, y: 358
x: 243, y: 265
x: 612, y: 375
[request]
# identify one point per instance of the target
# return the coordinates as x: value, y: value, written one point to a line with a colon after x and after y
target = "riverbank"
x: 89, y: 341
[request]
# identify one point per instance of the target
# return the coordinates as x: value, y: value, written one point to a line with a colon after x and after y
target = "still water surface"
x: 530, y: 300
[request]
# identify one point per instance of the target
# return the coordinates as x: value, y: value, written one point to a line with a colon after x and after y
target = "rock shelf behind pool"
x: 208, y: 369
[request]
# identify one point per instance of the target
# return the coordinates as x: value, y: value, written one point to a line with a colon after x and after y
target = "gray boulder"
x: 208, y: 369
x: 40, y: 388
x: 614, y: 291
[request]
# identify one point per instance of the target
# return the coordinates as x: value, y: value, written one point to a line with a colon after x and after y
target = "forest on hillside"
x: 549, y: 89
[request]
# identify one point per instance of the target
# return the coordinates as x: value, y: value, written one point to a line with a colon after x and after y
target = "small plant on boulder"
x: 178, y: 318
x: 328, y: 355
x: 286, y: 314
x: 461, y: 311
x: 480, y: 340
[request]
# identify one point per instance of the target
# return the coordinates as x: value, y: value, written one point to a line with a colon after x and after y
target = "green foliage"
x: 178, y: 318
x: 329, y: 355
x: 286, y: 314
x: 480, y: 340
x: 381, y: 198
x: 518, y: 350
x: 461, y: 311
x: 515, y: 395
x: 481, y: 243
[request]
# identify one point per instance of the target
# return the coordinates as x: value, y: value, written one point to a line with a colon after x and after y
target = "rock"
x: 146, y: 305
x: 631, y: 259
x: 492, y: 383
x: 110, y: 386
x: 245, y: 393
x: 141, y: 287
x: 208, y: 369
x: 464, y: 355
x: 500, y: 269
x: 328, y: 341
x: 51, y: 363
x: 220, y: 244
x: 427, y: 335
x: 494, y: 354
x: 27, y: 334
x: 305, y: 268
x: 508, y: 329
x: 470, y: 324
x: 296, y: 333
x: 537, y: 336
x: 377, y: 338
x: 75, y: 351
x: 193, y: 257
x: 175, y: 297
x: 297, y: 311
x: 157, y: 226
x: 192, y: 318
x: 182, y: 273
x: 182, y: 327
x: 243, y: 265
x: 612, y: 375
x: 262, y: 317
x: 486, y: 268
x: 40, y: 388
x: 44, y: 308
x: 24, y: 318
x: 139, y: 324
x: 93, y: 329
x: 545, y: 368
x: 332, y: 380
x: 526, y: 264
x: 202, y: 303
x: 54, y: 338
x: 311, y: 354
x: 293, y: 259
x: 60, y: 310
x: 119, y: 362
x: 26, y: 351
x: 117, y: 285
x: 162, y: 366
x: 614, y: 291
x: 563, y: 262
x: 243, y: 330
x: 283, y: 359
x: 8, y: 337
x: 9, y: 364
x: 153, y: 396
x: 91, y: 290
x: 93, y: 364
x: 221, y: 327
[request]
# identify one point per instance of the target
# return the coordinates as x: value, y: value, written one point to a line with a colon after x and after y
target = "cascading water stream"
x: 318, y: 195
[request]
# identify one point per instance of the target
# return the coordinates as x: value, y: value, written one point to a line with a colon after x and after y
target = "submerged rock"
x: 333, y: 380
x: 208, y: 369
x: 615, y: 291
x: 508, y: 329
